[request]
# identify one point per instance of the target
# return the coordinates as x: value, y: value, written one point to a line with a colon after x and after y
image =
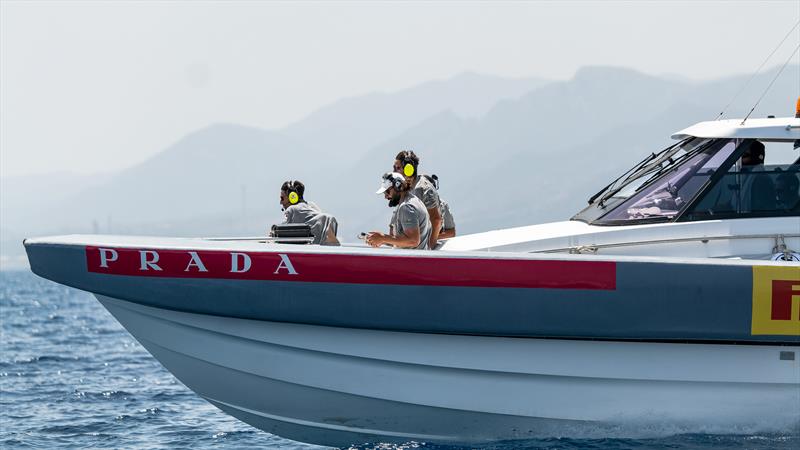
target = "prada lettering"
x: 245, y: 262
x: 149, y: 258
x: 190, y: 263
x: 196, y: 262
x: 262, y: 264
x: 107, y: 255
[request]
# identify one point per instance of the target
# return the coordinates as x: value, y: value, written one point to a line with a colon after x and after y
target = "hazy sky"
x: 91, y: 86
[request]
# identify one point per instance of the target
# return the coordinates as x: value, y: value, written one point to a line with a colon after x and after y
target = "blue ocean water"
x: 71, y: 376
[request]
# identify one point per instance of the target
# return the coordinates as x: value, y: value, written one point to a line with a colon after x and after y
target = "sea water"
x: 71, y: 376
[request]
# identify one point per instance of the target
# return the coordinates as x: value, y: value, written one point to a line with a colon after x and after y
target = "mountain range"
x: 507, y: 151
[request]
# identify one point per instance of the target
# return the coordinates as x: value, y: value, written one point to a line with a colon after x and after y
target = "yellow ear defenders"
x: 292, y: 194
x: 409, y: 166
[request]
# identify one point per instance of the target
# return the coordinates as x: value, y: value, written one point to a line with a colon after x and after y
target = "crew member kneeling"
x: 410, y: 226
x: 297, y: 210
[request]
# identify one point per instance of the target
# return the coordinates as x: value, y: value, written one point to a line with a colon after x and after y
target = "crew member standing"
x: 406, y: 163
x: 410, y: 226
x: 297, y: 210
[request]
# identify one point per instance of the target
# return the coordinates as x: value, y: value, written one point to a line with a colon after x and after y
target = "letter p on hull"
x: 776, y: 301
x: 107, y: 255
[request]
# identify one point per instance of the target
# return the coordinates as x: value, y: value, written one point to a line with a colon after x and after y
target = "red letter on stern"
x: 782, y: 293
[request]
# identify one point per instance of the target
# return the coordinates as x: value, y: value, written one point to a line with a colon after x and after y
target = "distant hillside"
x: 354, y: 125
x: 505, y: 156
x: 540, y: 157
x: 230, y: 167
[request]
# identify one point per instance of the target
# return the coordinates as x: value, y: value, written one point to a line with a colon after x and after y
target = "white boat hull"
x: 341, y: 385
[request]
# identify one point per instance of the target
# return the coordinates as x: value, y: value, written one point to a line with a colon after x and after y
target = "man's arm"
x: 447, y: 234
x: 432, y: 203
x: 408, y: 240
x: 286, y: 219
x: 288, y: 215
x: 436, y: 223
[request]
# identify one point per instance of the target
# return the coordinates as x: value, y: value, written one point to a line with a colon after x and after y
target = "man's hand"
x: 375, y: 239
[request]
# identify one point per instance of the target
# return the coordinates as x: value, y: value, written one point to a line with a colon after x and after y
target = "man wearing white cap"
x: 410, y: 226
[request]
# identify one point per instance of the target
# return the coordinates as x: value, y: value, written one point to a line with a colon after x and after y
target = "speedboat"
x: 671, y: 302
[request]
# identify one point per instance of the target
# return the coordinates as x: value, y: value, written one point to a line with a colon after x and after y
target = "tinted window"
x: 758, y: 190
x: 674, y: 187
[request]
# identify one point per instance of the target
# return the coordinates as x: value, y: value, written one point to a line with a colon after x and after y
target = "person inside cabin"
x: 757, y: 192
x: 787, y: 192
x: 410, y: 226
x: 297, y: 210
x: 406, y: 163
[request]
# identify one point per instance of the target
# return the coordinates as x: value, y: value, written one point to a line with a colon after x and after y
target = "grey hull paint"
x: 653, y: 300
x: 372, y: 419
x: 339, y: 386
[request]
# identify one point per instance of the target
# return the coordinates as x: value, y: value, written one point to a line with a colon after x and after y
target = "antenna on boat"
x: 770, y: 84
x: 756, y: 72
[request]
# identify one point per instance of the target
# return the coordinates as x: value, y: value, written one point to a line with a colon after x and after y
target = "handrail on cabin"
x: 592, y: 248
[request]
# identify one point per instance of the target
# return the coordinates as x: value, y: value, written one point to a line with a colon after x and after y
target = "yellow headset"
x: 408, y: 167
x: 294, y: 198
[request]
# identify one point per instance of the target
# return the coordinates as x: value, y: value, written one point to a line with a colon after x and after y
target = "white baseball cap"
x: 390, y: 179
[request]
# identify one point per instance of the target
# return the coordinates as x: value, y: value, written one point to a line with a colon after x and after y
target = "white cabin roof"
x: 777, y: 129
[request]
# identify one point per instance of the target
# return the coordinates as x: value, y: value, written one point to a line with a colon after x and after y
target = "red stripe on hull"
x: 357, y: 269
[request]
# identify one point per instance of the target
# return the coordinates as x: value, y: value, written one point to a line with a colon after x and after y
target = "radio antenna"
x: 756, y: 72
x: 770, y: 84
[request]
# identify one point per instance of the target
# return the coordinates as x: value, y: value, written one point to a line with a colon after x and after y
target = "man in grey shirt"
x: 410, y: 226
x: 448, y: 222
x: 297, y: 210
x: 406, y: 163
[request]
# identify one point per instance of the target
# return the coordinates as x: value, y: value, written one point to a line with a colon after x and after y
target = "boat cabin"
x: 715, y: 171
x: 711, y: 194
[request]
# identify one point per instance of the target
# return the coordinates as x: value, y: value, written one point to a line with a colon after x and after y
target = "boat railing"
x: 779, y: 240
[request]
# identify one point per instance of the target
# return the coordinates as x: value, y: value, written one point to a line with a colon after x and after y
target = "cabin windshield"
x: 674, y: 184
x: 652, y: 167
x: 701, y: 179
